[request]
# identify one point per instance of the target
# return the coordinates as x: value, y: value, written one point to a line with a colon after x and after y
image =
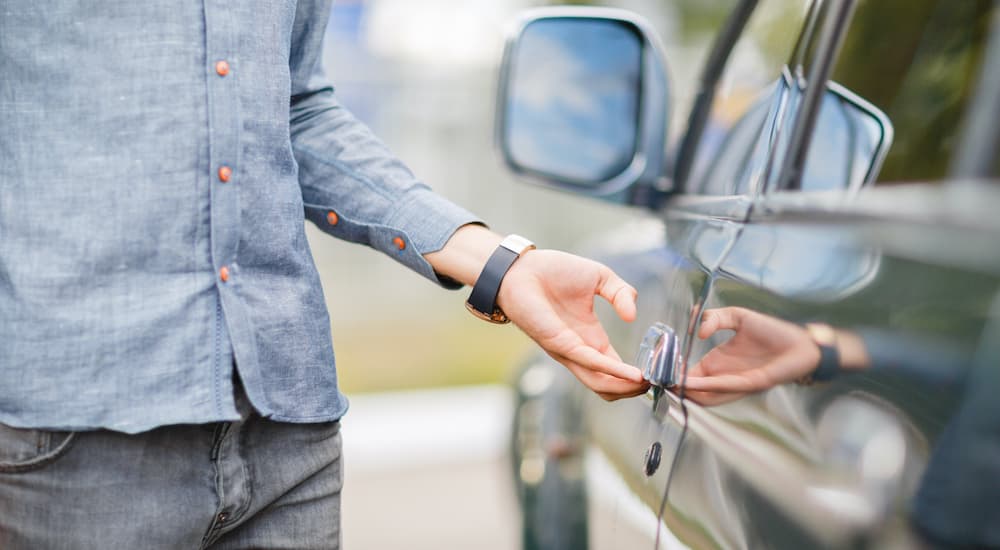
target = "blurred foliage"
x: 702, y: 16
x: 396, y: 355
x: 699, y: 16
x: 774, y: 28
x: 918, y: 61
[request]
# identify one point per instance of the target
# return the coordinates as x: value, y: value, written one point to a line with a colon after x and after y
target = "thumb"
x: 620, y: 294
x: 726, y: 318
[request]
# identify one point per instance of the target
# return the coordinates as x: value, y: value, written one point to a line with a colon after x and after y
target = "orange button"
x: 224, y: 273
x: 222, y: 68
x: 225, y: 173
x: 400, y: 244
x: 332, y: 218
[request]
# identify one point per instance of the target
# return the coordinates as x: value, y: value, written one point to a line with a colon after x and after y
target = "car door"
x: 592, y: 473
x: 628, y: 446
x: 697, y: 228
x: 845, y: 463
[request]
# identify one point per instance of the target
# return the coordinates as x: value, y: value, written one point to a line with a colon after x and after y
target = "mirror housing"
x: 582, y: 103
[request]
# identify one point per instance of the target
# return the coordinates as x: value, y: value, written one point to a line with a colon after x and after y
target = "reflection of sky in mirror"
x: 573, y: 108
x: 846, y: 142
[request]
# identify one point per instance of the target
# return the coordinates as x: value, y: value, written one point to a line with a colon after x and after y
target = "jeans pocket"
x: 25, y: 449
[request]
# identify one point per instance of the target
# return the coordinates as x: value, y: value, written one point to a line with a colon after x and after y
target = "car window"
x: 748, y: 95
x: 742, y: 146
x: 918, y: 62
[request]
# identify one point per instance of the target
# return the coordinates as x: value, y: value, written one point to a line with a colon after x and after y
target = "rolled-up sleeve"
x: 353, y: 187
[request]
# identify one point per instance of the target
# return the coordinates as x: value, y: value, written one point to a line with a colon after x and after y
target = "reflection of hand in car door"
x: 957, y: 501
x: 764, y: 352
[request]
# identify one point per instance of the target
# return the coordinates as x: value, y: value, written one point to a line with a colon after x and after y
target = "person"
x: 168, y: 371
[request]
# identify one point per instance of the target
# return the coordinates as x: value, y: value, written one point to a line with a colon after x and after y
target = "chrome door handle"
x: 659, y: 356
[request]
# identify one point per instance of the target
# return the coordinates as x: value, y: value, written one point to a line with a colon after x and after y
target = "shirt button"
x: 225, y: 173
x: 221, y: 68
x: 223, y: 517
x: 399, y: 242
x: 224, y: 274
x: 332, y: 218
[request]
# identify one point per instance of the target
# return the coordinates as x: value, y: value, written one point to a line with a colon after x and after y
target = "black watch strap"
x: 829, y: 363
x: 825, y: 338
x: 483, y: 300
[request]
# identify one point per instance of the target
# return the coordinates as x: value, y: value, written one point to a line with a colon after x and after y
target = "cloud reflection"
x: 573, y: 104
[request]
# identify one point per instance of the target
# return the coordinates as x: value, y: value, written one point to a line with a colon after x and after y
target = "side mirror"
x: 583, y: 101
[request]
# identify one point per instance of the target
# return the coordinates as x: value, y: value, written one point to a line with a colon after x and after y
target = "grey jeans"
x: 253, y: 483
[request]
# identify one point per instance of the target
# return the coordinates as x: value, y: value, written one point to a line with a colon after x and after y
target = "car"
x: 838, y: 164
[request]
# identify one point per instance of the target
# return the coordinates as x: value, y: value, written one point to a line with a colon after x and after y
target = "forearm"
x: 355, y: 189
x: 462, y: 258
x: 852, y: 351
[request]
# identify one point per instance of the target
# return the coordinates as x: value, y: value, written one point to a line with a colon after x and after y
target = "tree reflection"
x: 918, y: 61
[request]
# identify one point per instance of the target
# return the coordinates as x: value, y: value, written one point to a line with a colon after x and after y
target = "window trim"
x: 832, y: 30
x: 698, y: 119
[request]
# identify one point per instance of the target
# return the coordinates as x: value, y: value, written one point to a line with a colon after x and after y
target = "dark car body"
x: 838, y: 164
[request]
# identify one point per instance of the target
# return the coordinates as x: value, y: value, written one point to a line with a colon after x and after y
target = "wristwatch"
x: 825, y: 338
x: 482, y: 301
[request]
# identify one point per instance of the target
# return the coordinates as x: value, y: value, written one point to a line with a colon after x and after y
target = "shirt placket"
x: 222, y: 73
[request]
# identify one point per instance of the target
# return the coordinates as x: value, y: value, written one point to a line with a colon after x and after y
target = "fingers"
x: 593, y: 360
x: 620, y: 294
x: 606, y: 386
x: 604, y: 373
x: 709, y: 399
x: 726, y: 318
x: 746, y: 382
x: 556, y: 309
x: 701, y: 368
x: 616, y: 397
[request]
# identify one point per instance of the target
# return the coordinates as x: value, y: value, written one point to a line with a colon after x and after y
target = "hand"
x: 764, y: 352
x: 550, y: 296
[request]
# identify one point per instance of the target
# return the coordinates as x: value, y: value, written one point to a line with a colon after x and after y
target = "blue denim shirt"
x: 151, y: 211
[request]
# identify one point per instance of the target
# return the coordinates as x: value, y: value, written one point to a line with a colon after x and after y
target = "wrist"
x: 824, y: 337
x: 462, y: 258
x: 484, y: 299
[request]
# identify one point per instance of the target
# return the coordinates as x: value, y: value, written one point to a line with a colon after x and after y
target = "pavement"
x: 429, y: 470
